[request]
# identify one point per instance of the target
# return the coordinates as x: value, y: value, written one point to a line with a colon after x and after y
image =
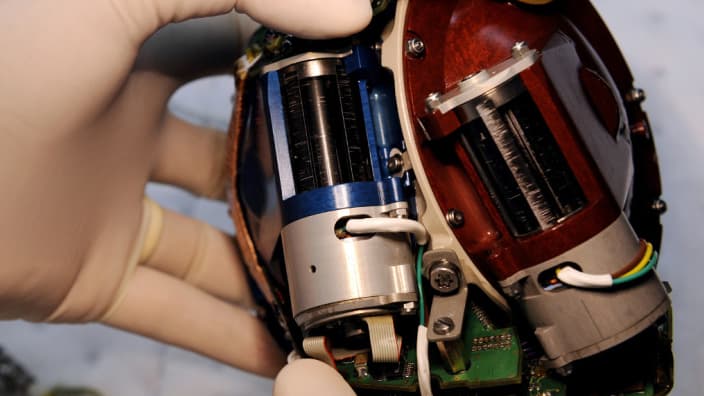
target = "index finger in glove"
x: 315, y: 19
x: 304, y: 18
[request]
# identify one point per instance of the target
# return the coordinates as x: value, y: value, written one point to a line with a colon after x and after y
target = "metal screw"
x: 444, y: 276
x: 432, y: 101
x: 409, y: 308
x: 636, y: 95
x: 519, y: 49
x: 514, y: 291
x: 415, y: 47
x: 455, y: 218
x: 362, y: 372
x: 659, y: 206
x: 443, y: 326
x: 395, y: 164
x: 565, y: 370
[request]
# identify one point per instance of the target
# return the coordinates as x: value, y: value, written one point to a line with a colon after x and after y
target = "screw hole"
x: 313, y: 268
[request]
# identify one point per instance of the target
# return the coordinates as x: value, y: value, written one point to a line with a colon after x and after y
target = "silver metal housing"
x: 573, y: 323
x: 331, y: 278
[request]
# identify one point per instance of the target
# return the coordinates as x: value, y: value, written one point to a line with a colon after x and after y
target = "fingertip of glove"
x: 310, y: 378
x: 310, y: 19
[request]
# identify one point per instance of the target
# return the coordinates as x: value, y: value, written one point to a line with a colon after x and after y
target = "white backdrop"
x: 662, y: 41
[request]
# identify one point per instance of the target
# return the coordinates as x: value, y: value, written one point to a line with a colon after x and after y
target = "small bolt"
x: 514, y: 292
x: 432, y: 101
x: 409, y: 308
x: 659, y: 206
x: 519, y: 49
x: 444, y: 276
x: 443, y: 326
x: 636, y: 95
x: 415, y: 47
x: 565, y: 370
x: 395, y: 164
x: 455, y: 218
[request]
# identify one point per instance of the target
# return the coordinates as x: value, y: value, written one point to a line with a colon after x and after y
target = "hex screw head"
x: 443, y: 326
x: 659, y: 206
x: 636, y: 95
x: 455, y: 218
x: 519, y: 49
x: 415, y: 47
x: 395, y: 164
x: 432, y: 101
x: 444, y: 277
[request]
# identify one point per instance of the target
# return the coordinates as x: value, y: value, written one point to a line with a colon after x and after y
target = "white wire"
x: 292, y: 357
x: 572, y: 277
x: 370, y: 225
x: 423, y: 362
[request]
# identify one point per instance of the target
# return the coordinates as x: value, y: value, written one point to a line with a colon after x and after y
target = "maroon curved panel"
x: 462, y: 49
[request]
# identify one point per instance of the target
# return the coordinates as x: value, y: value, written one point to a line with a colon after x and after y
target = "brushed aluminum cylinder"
x: 331, y: 278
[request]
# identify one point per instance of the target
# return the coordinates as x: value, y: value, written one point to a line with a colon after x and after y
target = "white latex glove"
x: 83, y: 126
x: 308, y: 377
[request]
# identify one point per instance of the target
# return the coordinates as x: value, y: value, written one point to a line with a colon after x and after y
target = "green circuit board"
x: 492, y: 357
x: 497, y: 365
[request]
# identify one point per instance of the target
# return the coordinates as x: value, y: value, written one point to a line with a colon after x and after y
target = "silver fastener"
x: 519, y: 50
x: 659, y: 206
x: 636, y: 95
x: 432, y: 101
x: 455, y: 218
x: 444, y: 276
x: 395, y: 164
x: 415, y: 47
x: 409, y: 308
x: 443, y: 326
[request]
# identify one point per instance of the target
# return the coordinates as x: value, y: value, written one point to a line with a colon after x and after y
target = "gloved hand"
x: 83, y: 126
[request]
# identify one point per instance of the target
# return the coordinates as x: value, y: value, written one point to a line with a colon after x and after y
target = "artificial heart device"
x: 462, y: 199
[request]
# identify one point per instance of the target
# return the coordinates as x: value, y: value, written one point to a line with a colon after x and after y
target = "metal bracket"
x: 447, y: 316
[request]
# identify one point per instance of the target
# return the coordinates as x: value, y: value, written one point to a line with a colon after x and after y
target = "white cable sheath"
x: 572, y: 277
x: 386, y: 224
x: 423, y: 362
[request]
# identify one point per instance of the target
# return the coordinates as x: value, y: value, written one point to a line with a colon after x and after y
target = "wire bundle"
x: 394, y: 225
x: 573, y: 277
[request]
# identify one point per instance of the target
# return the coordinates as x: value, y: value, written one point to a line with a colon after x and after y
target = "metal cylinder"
x: 326, y: 138
x: 331, y: 278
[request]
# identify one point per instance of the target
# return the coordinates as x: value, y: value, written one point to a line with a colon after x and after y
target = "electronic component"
x: 435, y: 205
